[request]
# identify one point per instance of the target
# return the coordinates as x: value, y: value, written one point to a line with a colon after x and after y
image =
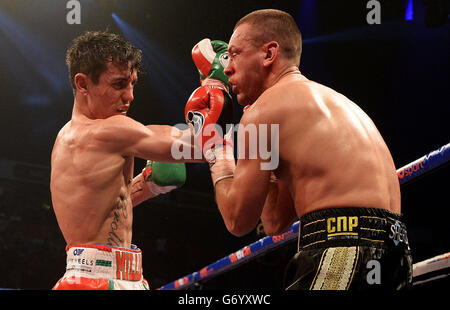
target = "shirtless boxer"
x: 335, y: 171
x: 92, y: 184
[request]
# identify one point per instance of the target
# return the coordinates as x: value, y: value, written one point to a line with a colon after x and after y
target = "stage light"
x: 168, y: 77
x: 409, y: 14
x: 29, y: 49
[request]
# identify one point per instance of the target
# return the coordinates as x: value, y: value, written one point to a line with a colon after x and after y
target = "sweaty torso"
x: 331, y: 153
x: 90, y: 187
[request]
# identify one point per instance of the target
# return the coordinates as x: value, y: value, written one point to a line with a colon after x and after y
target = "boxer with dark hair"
x: 92, y: 165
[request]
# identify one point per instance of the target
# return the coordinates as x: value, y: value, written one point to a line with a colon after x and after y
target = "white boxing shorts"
x: 100, y: 267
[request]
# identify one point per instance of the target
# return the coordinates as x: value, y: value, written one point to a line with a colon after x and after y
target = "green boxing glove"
x: 164, y: 177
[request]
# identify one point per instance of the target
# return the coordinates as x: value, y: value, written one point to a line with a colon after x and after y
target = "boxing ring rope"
x: 430, y: 162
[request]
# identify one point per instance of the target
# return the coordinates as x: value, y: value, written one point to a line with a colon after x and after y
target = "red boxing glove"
x: 210, y: 110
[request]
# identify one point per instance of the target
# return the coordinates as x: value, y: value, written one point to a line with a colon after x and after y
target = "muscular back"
x: 331, y: 153
x: 90, y: 187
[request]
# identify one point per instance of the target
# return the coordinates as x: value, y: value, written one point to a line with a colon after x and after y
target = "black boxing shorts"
x: 351, y: 249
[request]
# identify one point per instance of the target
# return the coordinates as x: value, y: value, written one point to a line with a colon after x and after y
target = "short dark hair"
x: 275, y: 25
x: 90, y: 52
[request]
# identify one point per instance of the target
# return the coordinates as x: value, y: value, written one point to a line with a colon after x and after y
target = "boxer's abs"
x: 90, y: 194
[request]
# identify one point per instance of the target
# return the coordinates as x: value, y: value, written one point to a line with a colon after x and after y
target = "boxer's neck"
x: 283, y: 74
x: 81, y: 109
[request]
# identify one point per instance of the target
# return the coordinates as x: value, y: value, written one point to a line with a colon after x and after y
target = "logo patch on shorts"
x: 342, y: 227
x: 102, y: 262
x: 398, y: 234
x: 77, y: 252
x: 128, y: 266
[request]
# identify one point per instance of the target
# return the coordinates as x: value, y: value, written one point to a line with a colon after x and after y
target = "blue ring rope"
x: 424, y: 164
x: 405, y: 174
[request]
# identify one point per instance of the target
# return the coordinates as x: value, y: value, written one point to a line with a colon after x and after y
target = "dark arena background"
x: 396, y: 70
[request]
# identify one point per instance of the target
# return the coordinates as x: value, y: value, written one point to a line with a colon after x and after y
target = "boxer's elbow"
x: 277, y: 226
x: 240, y: 223
x: 274, y: 229
x: 239, y: 214
x: 236, y: 228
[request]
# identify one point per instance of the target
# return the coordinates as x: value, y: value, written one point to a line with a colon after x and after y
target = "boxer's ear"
x: 271, y: 50
x: 80, y: 81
